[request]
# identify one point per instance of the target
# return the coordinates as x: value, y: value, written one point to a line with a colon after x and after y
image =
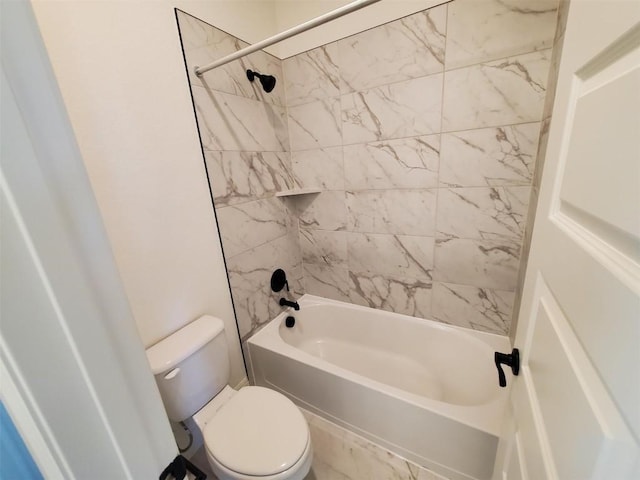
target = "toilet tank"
x: 190, y: 366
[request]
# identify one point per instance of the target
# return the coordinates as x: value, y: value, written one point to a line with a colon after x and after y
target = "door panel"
x: 566, y: 421
x: 603, y: 311
x: 558, y: 391
x: 576, y: 410
x: 606, y: 103
x: 529, y: 437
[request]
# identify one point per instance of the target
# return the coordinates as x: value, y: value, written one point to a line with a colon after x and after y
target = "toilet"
x: 250, y: 433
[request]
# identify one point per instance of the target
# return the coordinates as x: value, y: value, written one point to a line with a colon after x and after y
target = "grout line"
x: 259, y: 246
x: 424, y: 74
x: 436, y: 209
x: 421, y: 135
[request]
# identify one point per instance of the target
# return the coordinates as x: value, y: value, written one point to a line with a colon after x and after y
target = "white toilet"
x: 254, y: 433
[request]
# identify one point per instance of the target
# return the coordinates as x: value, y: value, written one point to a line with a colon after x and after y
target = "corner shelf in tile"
x: 297, y: 191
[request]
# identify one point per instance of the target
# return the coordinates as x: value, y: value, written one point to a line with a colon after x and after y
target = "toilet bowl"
x: 249, y: 434
x: 255, y: 433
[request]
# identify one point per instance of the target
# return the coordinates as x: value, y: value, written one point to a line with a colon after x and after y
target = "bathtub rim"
x: 487, y: 417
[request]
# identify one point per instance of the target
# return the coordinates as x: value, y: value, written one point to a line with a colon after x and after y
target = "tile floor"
x: 339, y: 454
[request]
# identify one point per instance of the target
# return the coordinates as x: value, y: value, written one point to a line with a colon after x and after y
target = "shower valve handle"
x: 511, y: 360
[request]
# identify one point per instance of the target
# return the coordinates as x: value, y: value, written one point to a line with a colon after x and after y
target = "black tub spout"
x: 286, y: 303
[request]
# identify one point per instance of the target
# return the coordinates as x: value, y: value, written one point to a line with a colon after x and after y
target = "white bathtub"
x: 425, y: 390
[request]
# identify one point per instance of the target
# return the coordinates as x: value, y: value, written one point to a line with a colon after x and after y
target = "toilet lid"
x: 257, y: 432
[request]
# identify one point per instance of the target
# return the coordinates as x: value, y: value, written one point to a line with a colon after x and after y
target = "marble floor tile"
x: 239, y: 177
x: 323, y: 471
x: 342, y: 455
x: 407, y: 48
x: 478, y: 308
x: 403, y: 163
x: 339, y: 454
x: 505, y: 92
x: 403, y: 212
x: 482, y: 213
x: 482, y: 263
x: 312, y: 75
x: 482, y: 30
x: 321, y: 168
x: 397, y: 110
x: 489, y: 157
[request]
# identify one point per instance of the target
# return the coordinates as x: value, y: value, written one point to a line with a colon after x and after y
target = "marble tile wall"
x: 245, y: 139
x: 422, y: 135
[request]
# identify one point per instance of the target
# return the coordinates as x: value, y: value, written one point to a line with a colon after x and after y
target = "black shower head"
x: 268, y: 81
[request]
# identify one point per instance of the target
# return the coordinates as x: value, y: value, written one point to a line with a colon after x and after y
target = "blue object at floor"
x: 15, y: 460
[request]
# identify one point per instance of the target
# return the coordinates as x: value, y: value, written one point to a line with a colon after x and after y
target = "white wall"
x: 120, y: 69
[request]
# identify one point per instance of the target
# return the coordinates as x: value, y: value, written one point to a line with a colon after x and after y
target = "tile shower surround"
x: 245, y: 140
x: 420, y: 136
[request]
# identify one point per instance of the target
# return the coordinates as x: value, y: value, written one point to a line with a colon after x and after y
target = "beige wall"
x: 120, y: 69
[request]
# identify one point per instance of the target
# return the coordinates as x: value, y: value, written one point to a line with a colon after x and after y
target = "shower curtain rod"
x: 303, y: 27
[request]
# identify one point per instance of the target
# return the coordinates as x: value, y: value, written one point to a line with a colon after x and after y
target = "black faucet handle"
x: 511, y: 360
x: 279, y: 280
x: 286, y: 303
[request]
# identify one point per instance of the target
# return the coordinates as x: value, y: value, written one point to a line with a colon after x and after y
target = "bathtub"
x: 422, y: 389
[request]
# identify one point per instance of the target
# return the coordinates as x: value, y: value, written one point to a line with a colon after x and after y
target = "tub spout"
x: 286, y: 303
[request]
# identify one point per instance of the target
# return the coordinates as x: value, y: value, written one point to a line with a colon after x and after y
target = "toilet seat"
x: 298, y: 472
x: 258, y: 433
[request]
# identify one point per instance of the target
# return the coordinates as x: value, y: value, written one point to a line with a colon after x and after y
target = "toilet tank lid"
x: 169, y: 352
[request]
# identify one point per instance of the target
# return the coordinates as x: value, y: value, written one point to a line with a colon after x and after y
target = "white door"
x: 576, y: 402
x: 73, y: 373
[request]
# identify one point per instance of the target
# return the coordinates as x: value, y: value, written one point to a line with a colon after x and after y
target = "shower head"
x: 268, y: 81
